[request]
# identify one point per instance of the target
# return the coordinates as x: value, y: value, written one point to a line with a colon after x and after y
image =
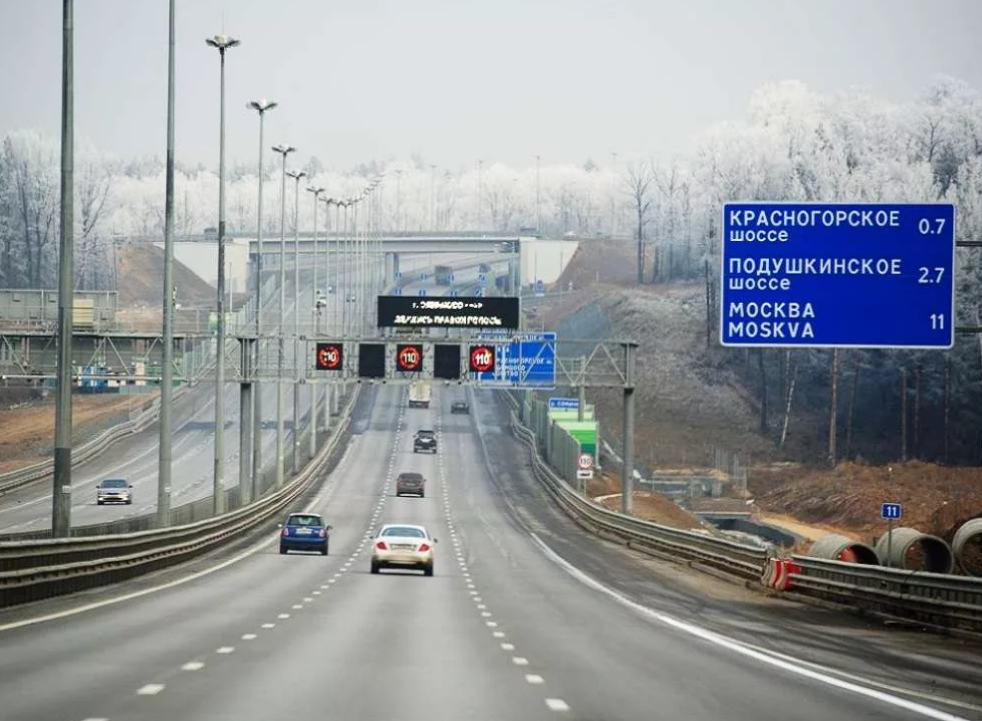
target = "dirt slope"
x: 140, y: 269
x: 687, y: 404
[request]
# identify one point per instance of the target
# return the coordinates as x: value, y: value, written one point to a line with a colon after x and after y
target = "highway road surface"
x: 527, y: 617
x: 136, y: 458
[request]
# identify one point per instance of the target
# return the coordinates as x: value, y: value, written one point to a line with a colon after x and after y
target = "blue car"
x: 305, y: 532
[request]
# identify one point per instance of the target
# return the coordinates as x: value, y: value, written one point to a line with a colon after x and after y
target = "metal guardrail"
x: 941, y: 601
x: 43, y: 568
x: 744, y: 561
x: 938, y: 601
x: 84, y: 452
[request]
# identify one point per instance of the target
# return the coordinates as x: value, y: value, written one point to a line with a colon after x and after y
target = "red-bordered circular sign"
x: 330, y: 357
x: 409, y: 358
x: 482, y: 359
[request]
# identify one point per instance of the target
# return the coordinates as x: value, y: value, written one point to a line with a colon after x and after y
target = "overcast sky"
x: 455, y: 80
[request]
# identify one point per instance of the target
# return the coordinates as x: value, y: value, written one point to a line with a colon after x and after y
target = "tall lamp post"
x: 283, y: 150
x: 165, y: 450
x: 297, y: 176
x: 261, y: 107
x: 61, y: 494
x: 317, y: 314
x: 222, y: 43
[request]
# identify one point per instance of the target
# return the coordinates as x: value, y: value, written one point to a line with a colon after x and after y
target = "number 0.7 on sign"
x: 837, y: 275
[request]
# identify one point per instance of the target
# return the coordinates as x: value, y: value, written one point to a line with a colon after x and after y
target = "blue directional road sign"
x: 397, y: 291
x: 422, y: 291
x: 891, y: 511
x: 564, y: 403
x: 837, y: 275
x: 482, y: 278
x: 454, y: 292
x: 479, y: 293
x: 527, y: 360
x: 540, y: 288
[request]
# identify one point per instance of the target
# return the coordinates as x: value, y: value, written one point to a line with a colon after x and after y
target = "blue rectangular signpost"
x: 891, y: 511
x: 564, y: 403
x: 838, y: 275
x: 526, y: 360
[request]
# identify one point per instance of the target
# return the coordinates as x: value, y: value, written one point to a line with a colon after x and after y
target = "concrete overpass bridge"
x: 539, y: 258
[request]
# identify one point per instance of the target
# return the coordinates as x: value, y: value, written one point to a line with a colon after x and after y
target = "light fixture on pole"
x: 261, y: 107
x: 283, y: 150
x: 222, y: 43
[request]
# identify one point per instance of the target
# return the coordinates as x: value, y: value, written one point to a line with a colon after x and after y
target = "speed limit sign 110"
x: 585, y: 461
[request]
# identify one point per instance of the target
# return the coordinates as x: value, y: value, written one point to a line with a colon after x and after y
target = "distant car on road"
x: 460, y: 407
x: 424, y: 441
x: 114, y: 490
x: 403, y: 545
x: 350, y: 298
x: 305, y: 532
x: 410, y: 483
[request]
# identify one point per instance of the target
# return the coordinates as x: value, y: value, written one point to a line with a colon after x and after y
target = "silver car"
x: 403, y: 545
x: 114, y: 490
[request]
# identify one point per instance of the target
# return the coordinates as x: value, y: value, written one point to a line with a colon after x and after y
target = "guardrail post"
x: 246, y: 350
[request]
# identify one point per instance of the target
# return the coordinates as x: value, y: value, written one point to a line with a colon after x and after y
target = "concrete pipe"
x: 916, y: 551
x: 967, y: 544
x: 839, y: 548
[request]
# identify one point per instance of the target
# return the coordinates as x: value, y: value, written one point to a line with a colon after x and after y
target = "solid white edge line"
x: 790, y: 665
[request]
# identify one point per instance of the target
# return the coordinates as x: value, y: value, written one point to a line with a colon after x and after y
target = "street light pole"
x: 61, y: 494
x: 538, y: 207
x: 222, y: 43
x: 283, y: 150
x: 261, y: 107
x: 297, y: 176
x: 317, y: 314
x: 167, y: 371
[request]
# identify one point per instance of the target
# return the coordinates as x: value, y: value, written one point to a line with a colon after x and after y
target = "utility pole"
x: 167, y: 374
x: 61, y: 496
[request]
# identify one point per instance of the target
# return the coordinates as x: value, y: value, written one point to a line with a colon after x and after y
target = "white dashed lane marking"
x: 534, y: 679
x: 507, y: 647
x: 283, y: 615
x: 225, y: 649
x: 268, y: 625
x: 520, y: 661
x: 556, y: 704
x: 248, y: 637
x: 193, y: 666
x: 151, y: 689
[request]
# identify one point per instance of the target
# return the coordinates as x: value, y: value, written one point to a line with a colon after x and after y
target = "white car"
x: 403, y: 545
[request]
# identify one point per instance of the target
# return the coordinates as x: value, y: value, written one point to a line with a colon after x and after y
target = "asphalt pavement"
x: 136, y: 458
x: 527, y: 617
